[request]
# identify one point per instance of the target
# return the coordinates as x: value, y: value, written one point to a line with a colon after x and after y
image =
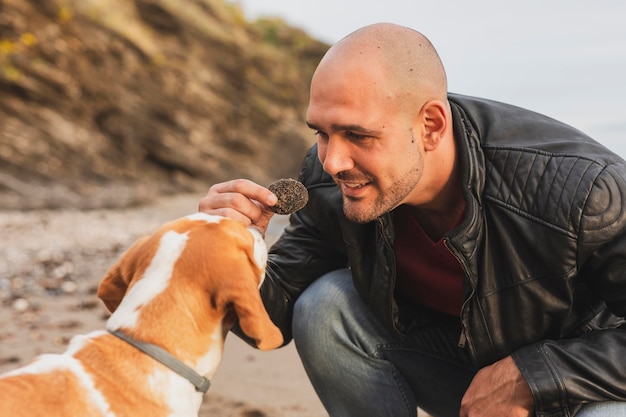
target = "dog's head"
x: 199, y: 268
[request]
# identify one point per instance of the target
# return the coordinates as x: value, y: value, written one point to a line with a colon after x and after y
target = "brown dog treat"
x: 292, y: 195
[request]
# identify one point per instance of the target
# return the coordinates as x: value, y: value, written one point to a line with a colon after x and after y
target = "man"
x: 456, y: 254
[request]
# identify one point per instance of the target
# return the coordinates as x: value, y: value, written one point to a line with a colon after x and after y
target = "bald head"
x: 402, y: 57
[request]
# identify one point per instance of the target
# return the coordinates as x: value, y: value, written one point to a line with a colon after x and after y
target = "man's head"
x: 379, y: 106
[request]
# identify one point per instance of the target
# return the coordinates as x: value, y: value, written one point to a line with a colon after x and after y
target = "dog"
x: 173, y: 297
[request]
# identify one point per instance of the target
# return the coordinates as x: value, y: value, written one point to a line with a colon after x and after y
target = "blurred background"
x: 109, y: 103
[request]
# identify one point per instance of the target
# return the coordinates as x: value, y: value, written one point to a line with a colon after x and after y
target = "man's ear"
x: 434, y: 119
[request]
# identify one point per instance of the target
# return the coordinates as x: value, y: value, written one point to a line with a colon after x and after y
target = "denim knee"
x: 336, y: 336
x: 319, y: 306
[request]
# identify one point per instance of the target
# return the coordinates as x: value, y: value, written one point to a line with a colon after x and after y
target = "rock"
x: 69, y: 287
x: 21, y: 305
x: 9, y: 360
x: 292, y: 195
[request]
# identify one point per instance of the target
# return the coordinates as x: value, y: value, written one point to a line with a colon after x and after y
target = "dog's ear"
x: 116, y: 281
x: 252, y: 316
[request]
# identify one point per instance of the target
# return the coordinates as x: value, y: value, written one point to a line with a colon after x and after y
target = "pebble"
x: 69, y: 287
x: 63, y: 270
x: 21, y: 304
x: 9, y: 360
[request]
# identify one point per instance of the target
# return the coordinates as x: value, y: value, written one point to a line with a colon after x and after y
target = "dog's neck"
x: 201, y: 383
x: 203, y: 356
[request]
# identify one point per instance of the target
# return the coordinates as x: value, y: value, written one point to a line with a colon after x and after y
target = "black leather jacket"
x: 543, y: 246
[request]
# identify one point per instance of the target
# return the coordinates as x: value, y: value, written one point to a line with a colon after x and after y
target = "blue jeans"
x: 359, y: 368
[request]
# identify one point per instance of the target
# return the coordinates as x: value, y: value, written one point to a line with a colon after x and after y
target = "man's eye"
x: 320, y: 135
x: 354, y: 136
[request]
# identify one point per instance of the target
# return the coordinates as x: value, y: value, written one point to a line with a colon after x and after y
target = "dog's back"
x: 43, y: 389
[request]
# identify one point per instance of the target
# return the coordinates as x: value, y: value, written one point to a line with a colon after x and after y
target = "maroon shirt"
x: 426, y: 271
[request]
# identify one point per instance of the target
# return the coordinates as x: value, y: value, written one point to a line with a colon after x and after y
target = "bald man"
x: 457, y: 254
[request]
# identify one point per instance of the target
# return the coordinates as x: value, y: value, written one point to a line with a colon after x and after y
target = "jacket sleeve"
x: 564, y: 374
x: 310, y: 246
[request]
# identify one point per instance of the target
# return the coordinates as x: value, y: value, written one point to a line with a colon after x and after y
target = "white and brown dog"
x: 173, y: 296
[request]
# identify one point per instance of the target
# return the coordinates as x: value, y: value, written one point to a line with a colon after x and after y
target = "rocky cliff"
x: 107, y: 103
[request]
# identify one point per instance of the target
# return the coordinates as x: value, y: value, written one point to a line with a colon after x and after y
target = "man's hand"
x: 241, y: 200
x: 498, y: 390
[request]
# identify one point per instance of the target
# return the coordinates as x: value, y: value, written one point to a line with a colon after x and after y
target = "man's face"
x: 369, y: 147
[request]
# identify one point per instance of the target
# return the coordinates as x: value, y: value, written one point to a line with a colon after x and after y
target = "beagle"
x: 173, y: 296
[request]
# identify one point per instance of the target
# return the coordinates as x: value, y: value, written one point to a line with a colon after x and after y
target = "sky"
x: 563, y: 58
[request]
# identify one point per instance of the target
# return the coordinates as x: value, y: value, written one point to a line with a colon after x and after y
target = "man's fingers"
x: 247, y: 188
x: 240, y: 199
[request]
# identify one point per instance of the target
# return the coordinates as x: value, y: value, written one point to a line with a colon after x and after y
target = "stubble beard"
x: 360, y: 211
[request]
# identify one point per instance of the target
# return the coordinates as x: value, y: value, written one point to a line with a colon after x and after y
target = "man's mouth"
x: 351, y: 189
x: 354, y: 184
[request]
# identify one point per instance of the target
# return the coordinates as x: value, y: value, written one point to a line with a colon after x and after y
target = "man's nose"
x: 336, y: 157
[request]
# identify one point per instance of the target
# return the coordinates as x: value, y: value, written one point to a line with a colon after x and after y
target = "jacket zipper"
x: 463, y: 337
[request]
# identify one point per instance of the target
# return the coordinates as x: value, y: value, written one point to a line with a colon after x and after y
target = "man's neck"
x: 438, y: 223
x: 445, y: 211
